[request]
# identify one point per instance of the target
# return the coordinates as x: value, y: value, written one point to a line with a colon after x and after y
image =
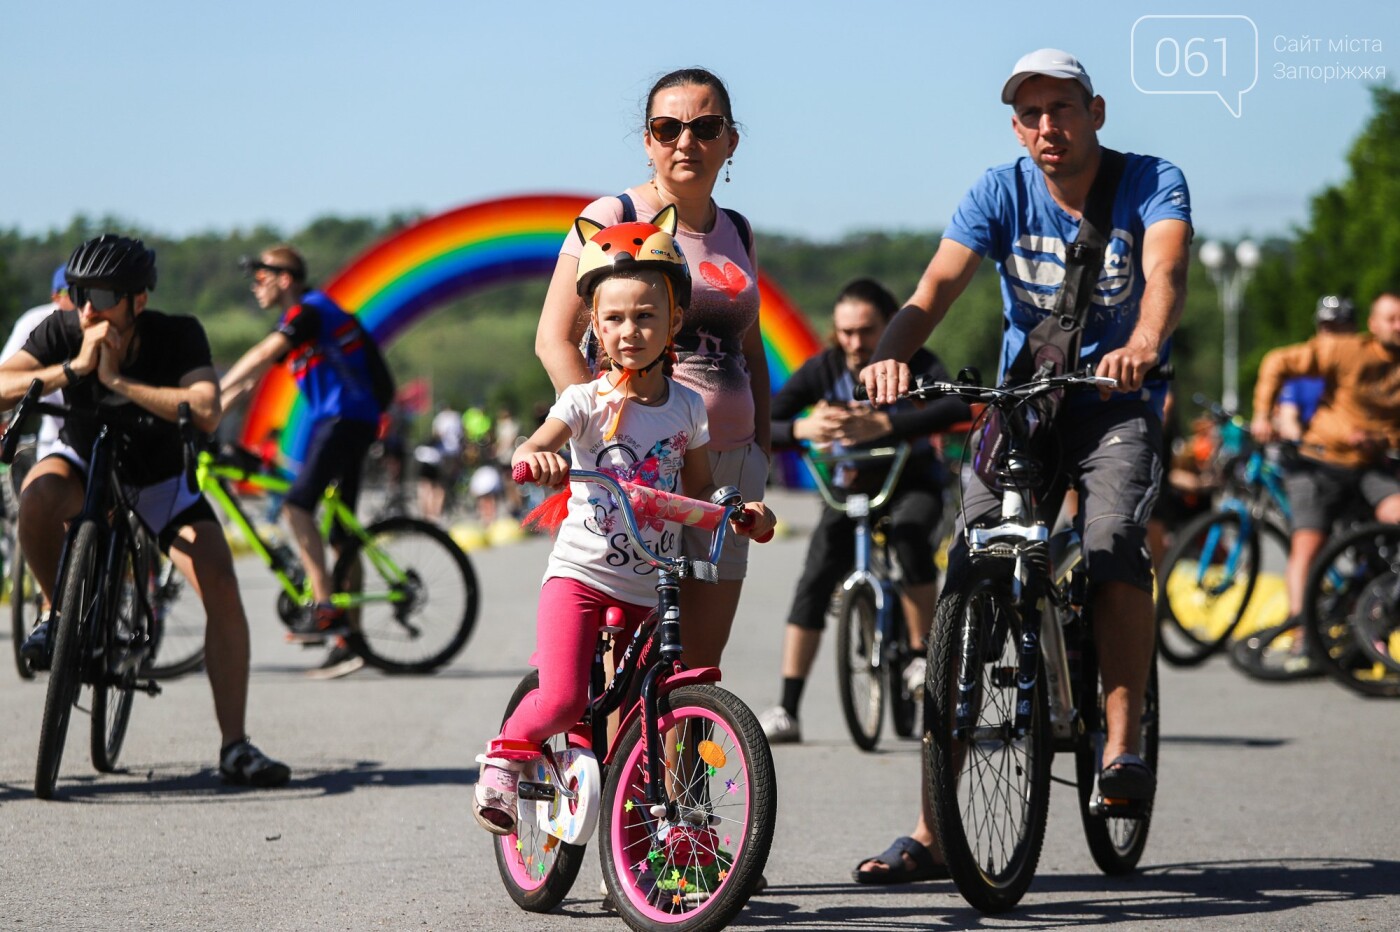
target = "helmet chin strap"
x: 628, y: 374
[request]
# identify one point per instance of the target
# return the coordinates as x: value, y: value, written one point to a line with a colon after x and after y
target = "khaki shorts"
x: 747, y: 468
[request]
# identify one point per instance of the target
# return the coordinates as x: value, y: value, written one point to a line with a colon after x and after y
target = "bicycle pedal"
x: 1115, y: 808
x: 150, y: 688
x: 536, y: 792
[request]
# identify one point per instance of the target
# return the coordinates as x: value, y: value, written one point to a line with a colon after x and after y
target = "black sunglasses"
x: 101, y: 299
x: 706, y: 128
x: 256, y: 265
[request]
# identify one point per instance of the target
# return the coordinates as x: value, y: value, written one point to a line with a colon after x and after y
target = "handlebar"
x: 899, y: 454
x: 640, y: 501
x: 9, y: 444
x: 1000, y: 397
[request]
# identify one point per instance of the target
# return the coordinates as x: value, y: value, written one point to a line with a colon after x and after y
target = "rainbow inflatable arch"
x: 462, y: 251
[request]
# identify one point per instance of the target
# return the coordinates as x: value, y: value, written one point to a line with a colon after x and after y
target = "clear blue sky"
x: 207, y: 116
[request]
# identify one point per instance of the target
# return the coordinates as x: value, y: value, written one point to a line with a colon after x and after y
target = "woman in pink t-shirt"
x: 689, y: 138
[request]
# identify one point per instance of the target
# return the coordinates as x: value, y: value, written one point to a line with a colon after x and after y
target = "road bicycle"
x: 1210, y: 572
x: 410, y: 592
x: 872, y: 639
x: 26, y: 601
x: 684, y: 792
x: 1013, y: 677
x: 103, y: 627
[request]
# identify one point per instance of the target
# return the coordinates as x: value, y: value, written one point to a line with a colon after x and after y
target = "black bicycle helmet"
x: 1332, y: 309
x: 118, y: 262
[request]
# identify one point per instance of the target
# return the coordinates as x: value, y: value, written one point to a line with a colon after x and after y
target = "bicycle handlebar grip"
x: 10, y: 443
x: 1166, y: 372
x: 521, y: 473
x: 745, y: 521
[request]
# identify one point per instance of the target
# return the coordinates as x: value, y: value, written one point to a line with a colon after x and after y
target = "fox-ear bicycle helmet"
x: 117, y: 262
x: 635, y: 245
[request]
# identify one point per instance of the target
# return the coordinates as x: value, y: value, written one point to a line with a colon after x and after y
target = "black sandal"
x: 1128, y: 777
x: 898, y: 869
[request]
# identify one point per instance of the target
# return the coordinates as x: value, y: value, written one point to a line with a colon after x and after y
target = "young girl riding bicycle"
x: 634, y: 423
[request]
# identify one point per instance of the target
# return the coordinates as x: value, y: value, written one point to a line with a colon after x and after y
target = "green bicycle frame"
x: 215, y: 480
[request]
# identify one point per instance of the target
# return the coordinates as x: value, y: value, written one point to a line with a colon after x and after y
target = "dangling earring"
x: 726, y: 170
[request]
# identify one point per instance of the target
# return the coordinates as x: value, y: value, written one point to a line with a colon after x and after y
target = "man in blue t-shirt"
x: 1022, y: 216
x: 324, y: 349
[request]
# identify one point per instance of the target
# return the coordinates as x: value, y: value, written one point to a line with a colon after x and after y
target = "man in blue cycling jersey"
x: 1023, y: 215
x: 324, y: 348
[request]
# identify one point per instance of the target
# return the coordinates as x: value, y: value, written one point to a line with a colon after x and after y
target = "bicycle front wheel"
x: 26, y: 604
x: 1207, y: 576
x: 419, y: 591
x: 858, y: 675
x: 115, y: 687
x: 1116, y: 843
x: 1351, y: 610
x: 537, y: 869
x: 691, y: 866
x: 179, y: 623
x: 989, y: 786
x: 79, y: 601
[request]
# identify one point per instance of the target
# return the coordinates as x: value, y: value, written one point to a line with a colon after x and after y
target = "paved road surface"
x: 1278, y: 806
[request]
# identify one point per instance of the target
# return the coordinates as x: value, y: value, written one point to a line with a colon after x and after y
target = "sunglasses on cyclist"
x: 101, y: 299
x: 706, y: 128
x: 252, y: 266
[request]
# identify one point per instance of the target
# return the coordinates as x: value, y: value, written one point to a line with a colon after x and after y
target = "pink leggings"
x: 566, y: 632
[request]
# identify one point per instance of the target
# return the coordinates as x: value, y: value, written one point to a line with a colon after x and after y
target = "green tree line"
x: 480, y: 350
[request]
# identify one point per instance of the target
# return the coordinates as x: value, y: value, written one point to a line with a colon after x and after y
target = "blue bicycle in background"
x: 872, y: 638
x: 1211, y: 572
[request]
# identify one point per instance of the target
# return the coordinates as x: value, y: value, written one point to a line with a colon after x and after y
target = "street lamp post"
x: 1230, y: 278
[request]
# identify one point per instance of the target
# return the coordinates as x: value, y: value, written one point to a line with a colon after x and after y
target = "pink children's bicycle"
x: 685, y: 792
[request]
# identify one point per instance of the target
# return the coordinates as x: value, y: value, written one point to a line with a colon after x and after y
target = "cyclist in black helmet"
x: 117, y: 350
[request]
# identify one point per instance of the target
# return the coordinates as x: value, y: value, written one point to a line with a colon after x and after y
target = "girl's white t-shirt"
x: 649, y: 449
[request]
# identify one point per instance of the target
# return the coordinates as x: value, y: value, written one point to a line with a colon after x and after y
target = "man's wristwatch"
x: 69, y: 373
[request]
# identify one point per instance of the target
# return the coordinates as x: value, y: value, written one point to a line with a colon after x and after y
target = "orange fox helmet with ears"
x: 635, y: 245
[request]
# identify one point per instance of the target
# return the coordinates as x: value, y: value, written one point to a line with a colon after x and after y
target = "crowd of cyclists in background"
x: 1335, y: 398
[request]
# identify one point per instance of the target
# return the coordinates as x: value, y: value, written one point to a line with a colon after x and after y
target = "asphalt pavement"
x: 1277, y: 806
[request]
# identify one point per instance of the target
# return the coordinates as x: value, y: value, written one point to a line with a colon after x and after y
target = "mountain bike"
x: 684, y: 793
x: 103, y: 627
x: 1210, y: 572
x: 1351, y: 610
x: 872, y: 639
x: 1013, y: 677
x: 410, y: 592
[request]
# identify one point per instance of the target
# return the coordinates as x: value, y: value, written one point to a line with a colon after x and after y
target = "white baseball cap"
x: 1054, y: 63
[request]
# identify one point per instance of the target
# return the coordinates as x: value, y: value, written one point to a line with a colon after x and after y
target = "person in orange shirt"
x: 1343, y: 452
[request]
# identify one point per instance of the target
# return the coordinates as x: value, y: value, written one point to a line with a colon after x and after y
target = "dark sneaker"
x: 242, y: 764
x: 341, y: 661
x: 319, y: 625
x: 37, y: 649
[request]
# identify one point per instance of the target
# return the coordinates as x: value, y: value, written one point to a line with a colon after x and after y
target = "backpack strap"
x: 629, y: 209
x: 1084, y: 257
x: 741, y: 223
